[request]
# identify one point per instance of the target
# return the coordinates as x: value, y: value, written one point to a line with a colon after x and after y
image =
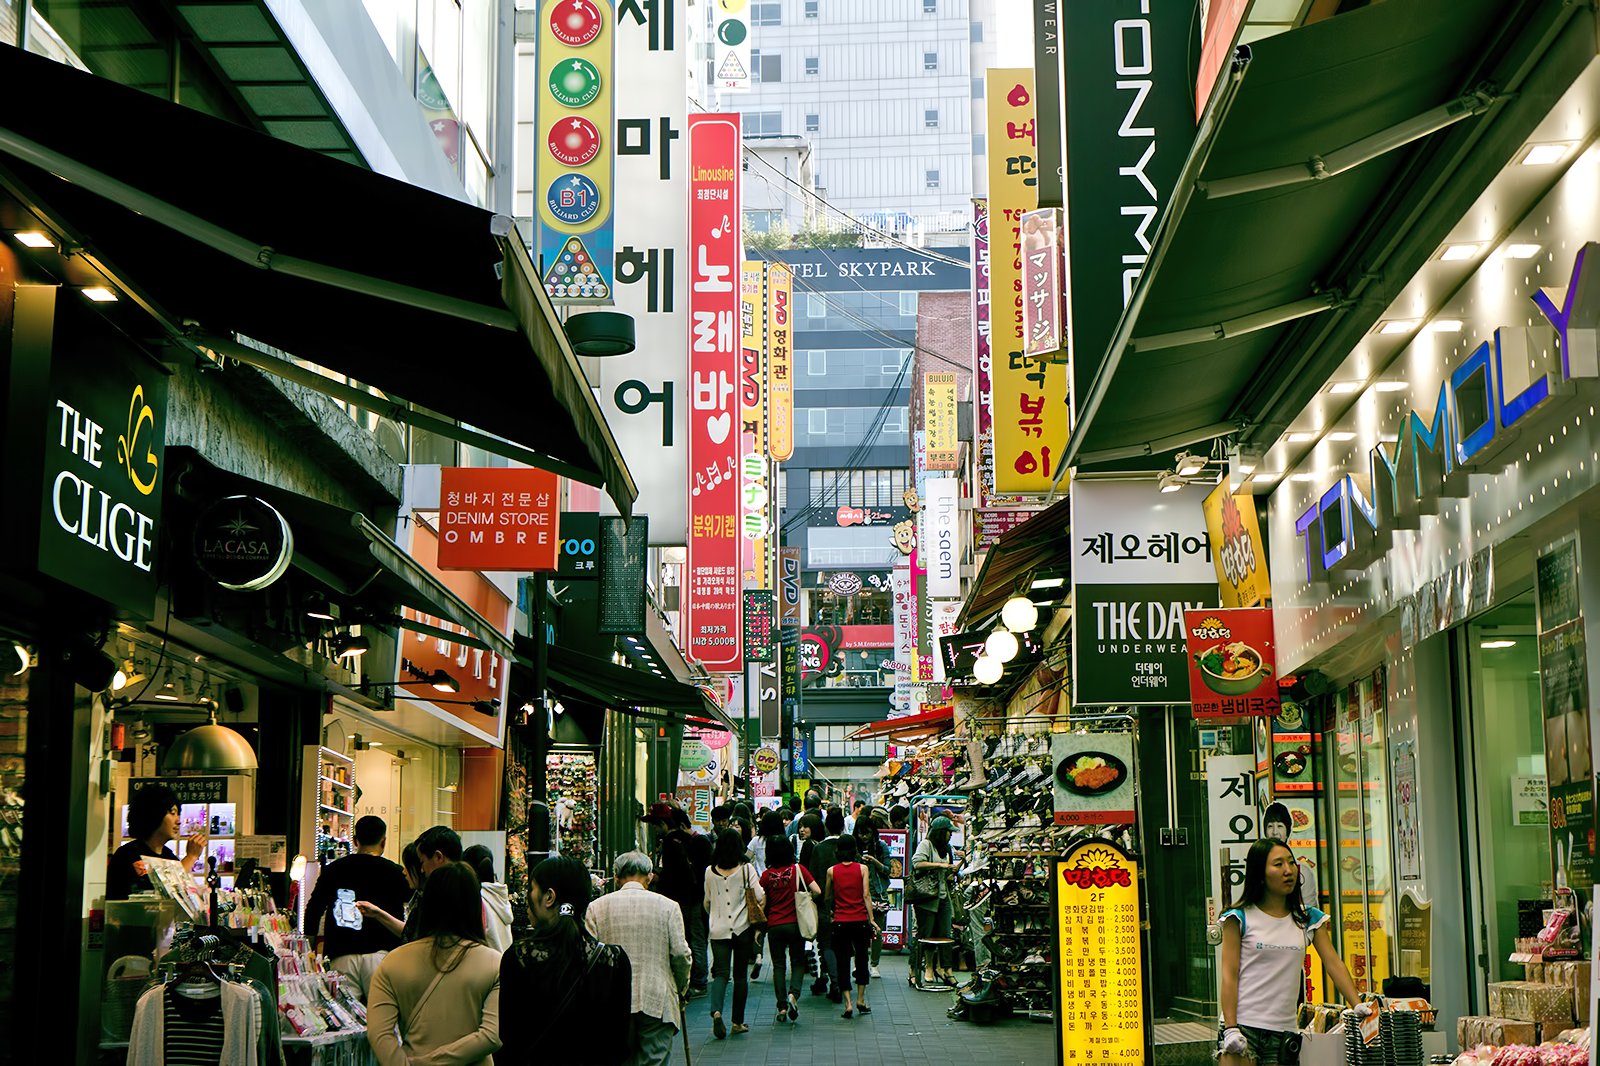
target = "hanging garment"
x: 238, y: 1008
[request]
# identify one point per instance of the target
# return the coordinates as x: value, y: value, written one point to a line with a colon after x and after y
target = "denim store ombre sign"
x: 1474, y: 421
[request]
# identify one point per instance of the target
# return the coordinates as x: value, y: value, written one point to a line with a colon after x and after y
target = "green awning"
x: 1239, y: 278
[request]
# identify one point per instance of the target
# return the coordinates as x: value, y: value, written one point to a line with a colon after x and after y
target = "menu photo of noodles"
x: 1093, y: 777
x: 1232, y: 656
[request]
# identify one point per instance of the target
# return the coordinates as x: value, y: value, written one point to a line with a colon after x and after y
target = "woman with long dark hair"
x: 783, y: 880
x: 438, y: 997
x: 571, y: 992
x: 1264, y: 942
x: 932, y: 866
x: 728, y: 883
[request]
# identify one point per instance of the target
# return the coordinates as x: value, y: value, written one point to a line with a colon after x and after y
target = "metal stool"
x: 920, y: 982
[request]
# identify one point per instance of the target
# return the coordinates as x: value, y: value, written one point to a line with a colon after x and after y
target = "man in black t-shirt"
x: 355, y: 942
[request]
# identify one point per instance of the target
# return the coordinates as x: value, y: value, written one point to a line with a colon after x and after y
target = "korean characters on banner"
x: 753, y: 493
x: 939, y: 417
x: 1236, y: 548
x: 1140, y: 559
x: 1042, y: 311
x: 498, y: 518
x: 1100, y: 972
x: 714, y: 410
x: 904, y: 612
x: 1231, y: 807
x: 945, y: 614
x: 780, y: 362
x: 1028, y: 395
x: 645, y: 393
x: 573, y: 149
x: 1232, y: 663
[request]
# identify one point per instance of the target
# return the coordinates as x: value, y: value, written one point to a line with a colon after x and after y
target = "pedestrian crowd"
x: 434, y: 947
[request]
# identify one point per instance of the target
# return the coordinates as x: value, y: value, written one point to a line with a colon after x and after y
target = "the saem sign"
x: 1475, y: 418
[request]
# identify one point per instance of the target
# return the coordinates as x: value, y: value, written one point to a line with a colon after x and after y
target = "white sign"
x: 730, y: 44
x: 1231, y: 796
x: 1130, y: 533
x: 645, y: 394
x: 1530, y: 801
x: 941, y: 551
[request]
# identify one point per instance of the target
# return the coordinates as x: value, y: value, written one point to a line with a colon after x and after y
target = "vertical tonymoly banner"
x: 714, y: 353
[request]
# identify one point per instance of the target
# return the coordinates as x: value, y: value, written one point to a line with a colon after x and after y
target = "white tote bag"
x: 805, y: 907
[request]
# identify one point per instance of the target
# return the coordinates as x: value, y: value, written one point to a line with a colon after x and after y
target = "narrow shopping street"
x: 905, y: 1028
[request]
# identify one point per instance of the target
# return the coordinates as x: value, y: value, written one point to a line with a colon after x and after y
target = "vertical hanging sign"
x: 573, y: 152
x: 714, y: 356
x: 753, y: 491
x: 730, y: 51
x: 1041, y: 282
x: 780, y: 363
x: 1029, y: 397
x: 939, y: 417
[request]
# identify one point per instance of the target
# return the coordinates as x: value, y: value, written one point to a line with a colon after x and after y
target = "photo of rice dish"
x: 1232, y: 669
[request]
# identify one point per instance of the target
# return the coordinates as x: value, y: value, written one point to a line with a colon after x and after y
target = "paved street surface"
x: 905, y: 1028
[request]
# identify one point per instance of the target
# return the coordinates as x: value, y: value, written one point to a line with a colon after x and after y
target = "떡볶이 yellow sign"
x: 1099, y: 956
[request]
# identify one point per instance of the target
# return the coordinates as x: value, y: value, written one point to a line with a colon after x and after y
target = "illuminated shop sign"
x: 1353, y: 522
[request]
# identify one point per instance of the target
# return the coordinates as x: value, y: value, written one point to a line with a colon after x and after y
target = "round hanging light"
x: 987, y: 669
x: 210, y: 747
x: 1001, y: 645
x: 1020, y: 614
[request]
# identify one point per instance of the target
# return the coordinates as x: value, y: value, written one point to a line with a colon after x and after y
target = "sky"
x: 1016, y: 32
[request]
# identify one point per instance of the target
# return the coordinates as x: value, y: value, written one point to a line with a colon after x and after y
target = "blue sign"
x: 800, y: 753
x: 573, y: 199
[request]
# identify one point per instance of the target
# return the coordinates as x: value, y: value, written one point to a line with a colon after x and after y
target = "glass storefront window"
x: 868, y: 607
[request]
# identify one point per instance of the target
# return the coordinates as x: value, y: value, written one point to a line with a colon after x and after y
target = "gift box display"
x: 1473, y: 1031
x: 1529, y: 1001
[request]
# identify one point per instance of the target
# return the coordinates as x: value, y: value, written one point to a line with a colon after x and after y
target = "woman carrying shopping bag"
x: 734, y: 902
x: 791, y: 921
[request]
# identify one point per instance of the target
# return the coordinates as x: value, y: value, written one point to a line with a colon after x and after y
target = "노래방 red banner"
x: 716, y: 249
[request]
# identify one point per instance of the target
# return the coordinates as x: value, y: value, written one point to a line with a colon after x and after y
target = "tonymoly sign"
x: 1474, y: 420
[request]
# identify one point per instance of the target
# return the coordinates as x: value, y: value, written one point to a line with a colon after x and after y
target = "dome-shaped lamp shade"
x: 1001, y: 645
x: 987, y: 669
x: 601, y: 333
x: 1019, y: 614
x: 210, y: 747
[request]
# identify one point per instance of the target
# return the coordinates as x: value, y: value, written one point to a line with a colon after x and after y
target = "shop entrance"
x: 1505, y: 817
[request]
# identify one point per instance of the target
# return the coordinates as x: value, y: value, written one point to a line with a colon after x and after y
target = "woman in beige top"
x: 436, y: 1000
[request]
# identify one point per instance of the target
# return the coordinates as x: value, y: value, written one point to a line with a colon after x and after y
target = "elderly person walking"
x: 649, y: 929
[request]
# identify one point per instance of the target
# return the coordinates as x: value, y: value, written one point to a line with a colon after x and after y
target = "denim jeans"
x: 697, y: 927
x: 788, y: 950
x: 738, y: 950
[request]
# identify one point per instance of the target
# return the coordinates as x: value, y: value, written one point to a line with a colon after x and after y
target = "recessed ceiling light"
x: 1048, y: 583
x: 1391, y: 386
x: 1496, y: 645
x: 1455, y: 253
x: 1541, y: 155
x: 374, y: 743
x: 1299, y: 438
x: 1342, y: 436
x: 1521, y: 251
x: 1395, y: 326
x: 100, y: 294
x: 32, y: 238
x: 1445, y: 325
x: 1344, y: 388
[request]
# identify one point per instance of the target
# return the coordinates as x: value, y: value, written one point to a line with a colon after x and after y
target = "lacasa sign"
x: 1474, y: 420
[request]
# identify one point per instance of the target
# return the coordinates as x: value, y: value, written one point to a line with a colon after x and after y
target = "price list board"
x: 1100, y: 1000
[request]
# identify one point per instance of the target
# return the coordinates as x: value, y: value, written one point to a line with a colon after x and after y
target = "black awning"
x: 227, y: 233
x: 1239, y: 261
x: 1041, y: 546
x: 628, y: 689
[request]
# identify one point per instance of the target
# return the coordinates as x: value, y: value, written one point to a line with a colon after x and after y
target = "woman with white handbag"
x: 791, y: 920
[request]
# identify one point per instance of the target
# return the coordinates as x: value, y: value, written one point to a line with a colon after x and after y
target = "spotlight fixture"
x: 318, y: 607
x: 1189, y: 464
x: 350, y: 646
x: 99, y: 294
x: 1001, y: 645
x: 1019, y: 614
x: 1170, y: 481
x: 442, y: 682
x: 1049, y: 583
x: 987, y: 670
x: 33, y: 238
x: 19, y: 652
x: 168, y: 693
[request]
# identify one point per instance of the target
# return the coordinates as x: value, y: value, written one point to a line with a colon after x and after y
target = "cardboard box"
x: 1530, y: 1002
x: 1472, y: 1031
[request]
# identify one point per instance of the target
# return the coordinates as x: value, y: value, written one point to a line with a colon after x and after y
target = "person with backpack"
x: 569, y: 990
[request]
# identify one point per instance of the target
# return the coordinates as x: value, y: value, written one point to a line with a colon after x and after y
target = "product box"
x: 1573, y: 975
x: 1530, y: 1002
x: 1470, y: 1032
x: 1535, y: 972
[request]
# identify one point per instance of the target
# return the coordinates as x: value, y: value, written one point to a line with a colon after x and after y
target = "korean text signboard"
x: 498, y: 518
x: 573, y: 149
x: 780, y: 362
x: 1231, y: 811
x: 1099, y: 956
x: 1028, y: 396
x: 939, y: 418
x: 759, y: 625
x: 753, y: 491
x: 1233, y: 661
x: 1093, y: 778
x: 644, y: 394
x: 1236, y: 548
x: 1041, y: 282
x: 1140, y: 558
x: 715, y: 151
x: 1564, y: 695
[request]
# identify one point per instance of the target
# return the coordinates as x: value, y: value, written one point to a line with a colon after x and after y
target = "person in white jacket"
x: 496, y: 897
x: 730, y: 884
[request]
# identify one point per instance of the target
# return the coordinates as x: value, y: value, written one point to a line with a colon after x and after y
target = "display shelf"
x: 335, y: 810
x: 336, y: 781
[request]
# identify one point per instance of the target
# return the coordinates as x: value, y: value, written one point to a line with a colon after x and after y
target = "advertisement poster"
x: 696, y: 803
x: 1236, y: 548
x: 1231, y: 812
x: 780, y: 363
x: 1368, y: 962
x: 1407, y: 833
x: 1232, y: 663
x: 715, y: 150
x: 1564, y: 696
x: 1093, y: 778
x: 894, y: 922
x: 1041, y: 282
x: 939, y: 418
x: 1416, y: 936
x: 1140, y: 559
x: 1028, y: 397
x: 1100, y: 973
x: 1530, y: 801
x: 753, y: 489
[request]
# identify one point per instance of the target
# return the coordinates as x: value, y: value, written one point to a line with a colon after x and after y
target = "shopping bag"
x: 805, y: 906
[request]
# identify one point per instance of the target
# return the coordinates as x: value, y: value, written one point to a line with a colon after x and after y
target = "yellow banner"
x: 1236, y: 549
x: 1028, y: 395
x: 939, y: 419
x: 1099, y: 953
x: 780, y: 363
x: 753, y: 496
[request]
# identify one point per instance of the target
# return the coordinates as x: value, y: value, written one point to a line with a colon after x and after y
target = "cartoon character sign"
x: 904, y: 536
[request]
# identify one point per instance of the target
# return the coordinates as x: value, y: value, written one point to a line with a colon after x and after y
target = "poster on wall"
x: 1407, y: 832
x: 1093, y: 778
x: 894, y: 920
x: 1231, y: 813
x: 1236, y: 548
x: 1232, y: 663
x: 1564, y: 697
x: 1100, y: 990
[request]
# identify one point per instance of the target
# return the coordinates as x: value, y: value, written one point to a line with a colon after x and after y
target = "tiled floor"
x: 906, y: 1028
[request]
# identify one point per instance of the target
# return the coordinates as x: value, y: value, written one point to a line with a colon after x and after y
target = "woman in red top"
x: 781, y: 880
x: 853, y: 926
